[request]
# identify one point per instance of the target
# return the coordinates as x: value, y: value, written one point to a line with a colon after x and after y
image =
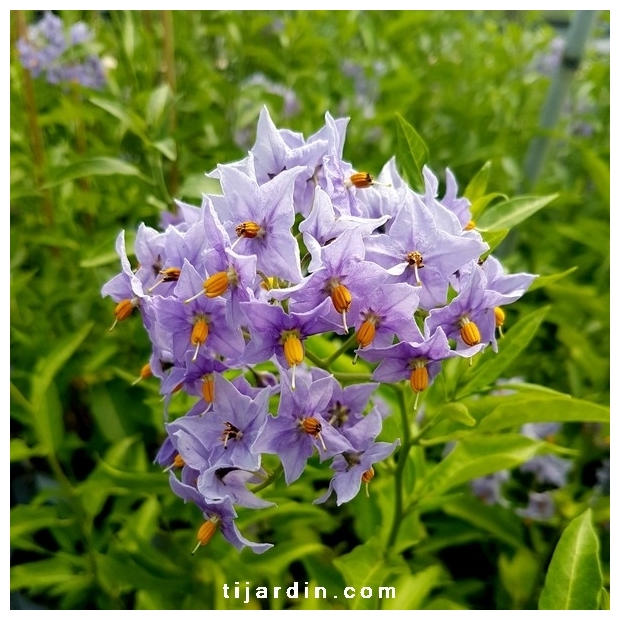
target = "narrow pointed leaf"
x: 411, y: 152
x: 477, y: 456
x: 543, y: 409
x: 96, y: 166
x: 478, y: 185
x: 512, y: 212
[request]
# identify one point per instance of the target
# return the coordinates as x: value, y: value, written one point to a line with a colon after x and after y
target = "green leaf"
x: 455, y: 412
x: 412, y: 590
x: 574, y: 578
x: 599, y: 173
x: 500, y: 522
x: 20, y: 451
x: 512, y: 212
x: 605, y: 600
x: 493, y: 238
x: 519, y: 575
x: 96, y: 166
x: 411, y: 152
x: 157, y: 104
x: 28, y: 518
x: 366, y: 566
x: 513, y: 414
x: 41, y: 575
x: 478, y: 185
x: 477, y: 456
x: 479, y: 206
x: 46, y: 410
x: 492, y: 365
x: 167, y: 147
x: 130, y: 120
x: 541, y: 281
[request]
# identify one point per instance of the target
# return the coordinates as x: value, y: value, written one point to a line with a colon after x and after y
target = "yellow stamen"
x: 293, y: 350
x: 500, y: 317
x: 313, y: 427
x: 470, y: 225
x: 250, y: 230
x: 208, y: 387
x: 469, y: 332
x: 419, y: 378
x: 206, y: 531
x: 361, y: 180
x: 366, y: 333
x: 145, y: 373
x: 341, y: 298
x: 367, y: 476
x: 123, y: 310
x: 200, y: 332
x: 217, y: 284
x: 268, y: 283
x: 177, y: 463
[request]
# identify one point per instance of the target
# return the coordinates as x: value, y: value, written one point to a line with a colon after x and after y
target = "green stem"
x: 352, y: 377
x: 275, y: 474
x: 403, y: 455
x: 328, y: 361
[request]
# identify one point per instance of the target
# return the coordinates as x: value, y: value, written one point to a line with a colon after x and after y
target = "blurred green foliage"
x: 93, y: 523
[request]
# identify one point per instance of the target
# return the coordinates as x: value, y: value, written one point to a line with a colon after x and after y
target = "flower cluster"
x: 61, y: 56
x: 299, y: 244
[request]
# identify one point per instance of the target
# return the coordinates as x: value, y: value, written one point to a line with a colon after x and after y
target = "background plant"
x: 184, y: 94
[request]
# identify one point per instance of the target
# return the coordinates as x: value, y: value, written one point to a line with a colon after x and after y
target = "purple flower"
x: 300, y: 427
x: 548, y: 469
x: 275, y: 332
x: 226, y: 435
x: 540, y: 507
x: 385, y: 312
x: 322, y: 226
x: 262, y: 217
x: 510, y: 287
x: 45, y: 48
x: 419, y: 252
x: 345, y: 278
x: 277, y: 150
x: 219, y: 482
x: 346, y: 406
x: 418, y: 361
x: 469, y: 318
x: 354, y: 466
x: 218, y: 514
x: 488, y: 488
x: 200, y: 325
x: 125, y: 288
